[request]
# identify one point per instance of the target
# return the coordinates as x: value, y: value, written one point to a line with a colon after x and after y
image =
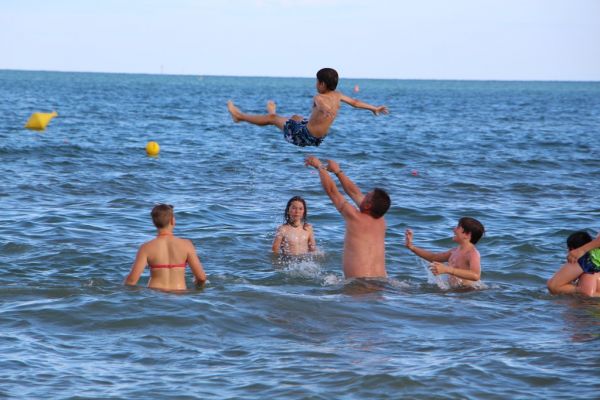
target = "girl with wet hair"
x: 296, y: 235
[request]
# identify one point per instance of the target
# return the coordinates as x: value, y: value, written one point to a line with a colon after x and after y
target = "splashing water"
x: 439, y: 281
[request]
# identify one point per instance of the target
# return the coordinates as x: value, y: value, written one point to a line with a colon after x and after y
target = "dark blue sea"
x: 522, y: 157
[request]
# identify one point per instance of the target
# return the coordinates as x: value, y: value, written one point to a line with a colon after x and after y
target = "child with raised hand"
x: 583, y: 266
x: 167, y: 256
x: 463, y: 262
x: 308, y: 132
x: 295, y: 236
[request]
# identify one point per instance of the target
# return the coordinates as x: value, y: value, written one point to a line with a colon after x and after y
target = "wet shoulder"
x: 181, y: 242
x: 283, y: 229
x: 474, y: 251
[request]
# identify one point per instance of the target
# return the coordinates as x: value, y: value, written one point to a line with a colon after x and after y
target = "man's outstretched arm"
x: 349, y: 187
x: 328, y: 184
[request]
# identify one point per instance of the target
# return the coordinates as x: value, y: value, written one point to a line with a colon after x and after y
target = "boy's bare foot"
x: 271, y: 107
x: 234, y: 111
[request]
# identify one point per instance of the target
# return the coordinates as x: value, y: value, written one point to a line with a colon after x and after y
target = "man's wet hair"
x: 380, y: 203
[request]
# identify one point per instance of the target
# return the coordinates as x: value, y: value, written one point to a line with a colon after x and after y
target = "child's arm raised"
x: 361, y: 104
x: 428, y: 255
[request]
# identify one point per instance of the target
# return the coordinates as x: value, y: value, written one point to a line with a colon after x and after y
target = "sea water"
x: 522, y: 157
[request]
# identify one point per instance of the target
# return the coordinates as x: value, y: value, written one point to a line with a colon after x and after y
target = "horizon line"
x: 299, y: 77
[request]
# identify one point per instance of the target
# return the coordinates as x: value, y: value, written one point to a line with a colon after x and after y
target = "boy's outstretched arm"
x: 328, y: 184
x: 577, y: 253
x: 349, y: 187
x: 361, y: 104
x: 428, y: 255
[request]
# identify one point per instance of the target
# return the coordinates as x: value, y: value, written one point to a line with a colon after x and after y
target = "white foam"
x: 396, y: 284
x: 440, y: 281
x: 302, y: 268
x: 332, y: 280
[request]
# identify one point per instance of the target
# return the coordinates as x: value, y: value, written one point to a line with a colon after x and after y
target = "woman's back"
x: 167, y: 259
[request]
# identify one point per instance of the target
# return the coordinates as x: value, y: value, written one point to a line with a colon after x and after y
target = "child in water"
x: 583, y: 266
x: 167, y: 255
x: 296, y: 236
x: 308, y: 132
x: 464, y: 261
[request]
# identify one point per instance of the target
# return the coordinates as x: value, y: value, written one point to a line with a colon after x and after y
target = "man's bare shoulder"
x: 349, y: 210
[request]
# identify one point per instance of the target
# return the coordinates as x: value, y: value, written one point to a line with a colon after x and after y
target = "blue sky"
x: 424, y: 39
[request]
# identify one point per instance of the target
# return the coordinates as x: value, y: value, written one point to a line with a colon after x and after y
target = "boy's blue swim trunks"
x: 297, y: 133
x: 590, y: 262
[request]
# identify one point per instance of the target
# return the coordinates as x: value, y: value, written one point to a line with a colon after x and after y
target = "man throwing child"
x: 364, y: 241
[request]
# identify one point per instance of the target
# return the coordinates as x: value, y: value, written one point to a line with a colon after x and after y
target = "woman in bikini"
x: 167, y: 256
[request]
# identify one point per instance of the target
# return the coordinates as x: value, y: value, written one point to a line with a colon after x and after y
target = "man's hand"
x: 312, y: 161
x: 333, y: 166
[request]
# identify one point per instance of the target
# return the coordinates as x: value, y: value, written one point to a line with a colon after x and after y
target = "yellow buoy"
x: 152, y: 148
x: 39, y: 120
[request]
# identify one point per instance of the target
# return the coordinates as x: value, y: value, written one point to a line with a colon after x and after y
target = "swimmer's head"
x: 578, y: 239
x: 286, y: 215
x: 162, y: 215
x: 376, y: 203
x: 329, y: 77
x: 472, y: 226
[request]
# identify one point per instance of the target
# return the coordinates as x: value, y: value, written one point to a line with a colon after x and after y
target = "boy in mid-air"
x: 308, y: 132
x: 464, y: 262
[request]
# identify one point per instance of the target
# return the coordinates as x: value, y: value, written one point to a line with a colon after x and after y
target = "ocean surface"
x: 522, y: 157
